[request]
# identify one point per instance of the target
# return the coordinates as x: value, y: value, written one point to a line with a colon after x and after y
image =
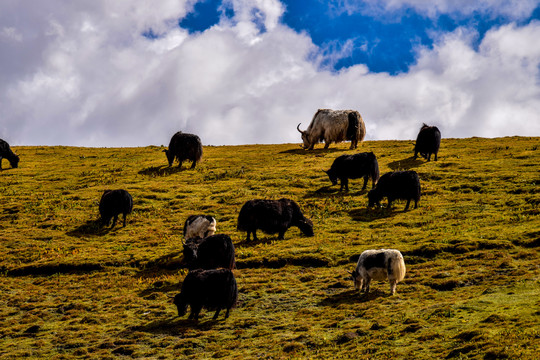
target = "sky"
x: 105, y: 73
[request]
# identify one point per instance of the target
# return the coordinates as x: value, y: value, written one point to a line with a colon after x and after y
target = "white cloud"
x: 84, y: 75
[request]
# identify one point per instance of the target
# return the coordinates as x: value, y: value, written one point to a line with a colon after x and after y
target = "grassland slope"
x: 71, y: 289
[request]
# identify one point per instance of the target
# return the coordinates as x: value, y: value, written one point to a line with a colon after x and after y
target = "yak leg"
x: 354, y: 144
x: 428, y: 156
x: 326, y: 145
x: 435, y: 157
x: 216, y: 314
x: 408, y: 203
x: 281, y: 235
x: 125, y: 219
x: 227, y: 313
x: 416, y: 204
x: 415, y: 155
x: 366, y: 285
x: 344, y: 184
x: 255, y: 235
x: 389, y: 203
x: 393, y: 284
x: 114, y: 220
x: 365, y: 183
x: 193, y: 164
x: 195, y: 311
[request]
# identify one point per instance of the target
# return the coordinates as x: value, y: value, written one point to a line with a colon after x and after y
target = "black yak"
x: 213, y: 289
x: 427, y: 142
x: 355, y: 166
x: 272, y: 216
x: 404, y: 185
x: 199, y: 226
x: 184, y: 147
x: 113, y: 203
x: 334, y: 126
x: 212, y: 252
x: 6, y: 152
x: 379, y: 265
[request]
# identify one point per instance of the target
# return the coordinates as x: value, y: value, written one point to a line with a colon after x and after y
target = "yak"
x: 334, y: 126
x: 113, y: 203
x: 379, y: 265
x: 354, y: 166
x: 272, y: 216
x: 404, y: 185
x: 199, y: 226
x: 427, y: 142
x: 184, y: 147
x: 214, y: 289
x: 212, y: 252
x: 6, y: 152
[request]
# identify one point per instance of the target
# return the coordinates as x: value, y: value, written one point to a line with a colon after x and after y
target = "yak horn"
x: 298, y: 128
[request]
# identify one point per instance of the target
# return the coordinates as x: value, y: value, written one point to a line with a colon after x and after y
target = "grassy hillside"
x: 70, y: 288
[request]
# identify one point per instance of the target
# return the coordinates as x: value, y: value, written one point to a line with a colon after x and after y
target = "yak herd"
x: 210, y: 257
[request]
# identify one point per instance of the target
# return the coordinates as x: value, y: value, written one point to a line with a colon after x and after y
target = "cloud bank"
x: 88, y: 74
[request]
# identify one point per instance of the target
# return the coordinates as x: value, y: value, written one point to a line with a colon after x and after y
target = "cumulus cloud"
x: 85, y: 75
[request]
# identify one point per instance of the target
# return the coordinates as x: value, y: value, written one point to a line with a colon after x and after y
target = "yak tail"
x: 398, y: 267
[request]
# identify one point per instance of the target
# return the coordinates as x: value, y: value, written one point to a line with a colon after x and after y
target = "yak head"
x: 356, y: 279
x: 332, y: 176
x: 190, y: 252
x: 14, y: 161
x: 374, y: 198
x: 170, y: 157
x: 305, y: 137
x: 181, y: 304
x: 306, y: 226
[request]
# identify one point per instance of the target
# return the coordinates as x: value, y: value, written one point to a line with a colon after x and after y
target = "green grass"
x: 71, y: 289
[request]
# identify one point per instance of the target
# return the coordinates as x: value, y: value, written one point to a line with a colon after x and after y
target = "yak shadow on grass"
x: 352, y: 296
x: 368, y: 215
x: 90, y: 228
x: 162, y: 170
x: 333, y: 191
x: 176, y: 325
x: 405, y: 164
x: 316, y: 152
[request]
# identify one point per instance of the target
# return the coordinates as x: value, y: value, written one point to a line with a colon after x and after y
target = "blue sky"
x: 132, y: 73
x: 385, y: 42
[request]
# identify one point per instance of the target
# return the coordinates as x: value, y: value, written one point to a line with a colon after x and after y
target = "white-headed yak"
x: 334, y: 126
x: 379, y: 265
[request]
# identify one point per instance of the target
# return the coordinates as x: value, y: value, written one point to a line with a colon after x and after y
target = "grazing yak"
x: 113, y: 203
x: 199, y: 226
x: 213, y: 289
x: 184, y: 147
x: 212, y: 252
x: 355, y: 166
x: 6, y: 152
x: 379, y: 265
x: 334, y: 126
x: 404, y: 185
x: 427, y: 142
x: 272, y: 216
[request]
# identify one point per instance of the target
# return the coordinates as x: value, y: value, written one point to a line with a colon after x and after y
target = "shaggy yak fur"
x: 334, y: 126
x: 427, y: 142
x: 199, y: 226
x: 404, y: 185
x: 212, y: 252
x: 379, y: 265
x: 184, y: 147
x: 355, y: 166
x: 212, y: 289
x: 113, y: 203
x: 272, y: 216
x: 6, y: 152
